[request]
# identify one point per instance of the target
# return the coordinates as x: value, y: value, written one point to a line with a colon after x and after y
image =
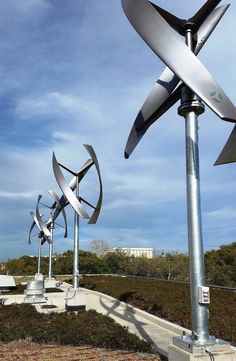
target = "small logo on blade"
x: 216, y: 96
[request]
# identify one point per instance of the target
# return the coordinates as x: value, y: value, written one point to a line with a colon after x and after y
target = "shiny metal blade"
x: 159, y: 100
x: 60, y: 208
x: 66, y: 190
x: 142, y: 124
x: 203, y: 13
x: 175, y: 54
x: 228, y: 154
x: 42, y: 226
x: 95, y: 215
x: 31, y: 229
x: 208, y: 26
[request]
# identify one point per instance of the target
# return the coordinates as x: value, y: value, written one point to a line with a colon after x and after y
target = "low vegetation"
x: 20, y: 289
x: 19, y: 322
x: 170, y: 301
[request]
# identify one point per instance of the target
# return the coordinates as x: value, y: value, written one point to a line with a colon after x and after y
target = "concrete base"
x: 75, y: 300
x: 183, y: 349
x: 38, y: 276
x: 35, y: 292
x: 7, y: 282
x: 50, y: 282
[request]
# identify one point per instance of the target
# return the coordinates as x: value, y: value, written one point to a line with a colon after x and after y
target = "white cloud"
x: 17, y: 194
x: 55, y: 103
x: 67, y: 137
x: 222, y: 214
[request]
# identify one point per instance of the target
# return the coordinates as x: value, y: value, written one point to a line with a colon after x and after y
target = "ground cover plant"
x: 19, y: 322
x: 19, y: 290
x: 170, y: 301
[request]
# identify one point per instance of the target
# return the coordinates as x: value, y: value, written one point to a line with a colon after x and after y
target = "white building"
x: 138, y: 252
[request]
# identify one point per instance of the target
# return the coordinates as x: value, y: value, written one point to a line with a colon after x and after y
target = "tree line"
x: 220, y: 265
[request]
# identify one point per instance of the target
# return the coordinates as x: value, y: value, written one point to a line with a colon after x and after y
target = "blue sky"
x: 75, y: 72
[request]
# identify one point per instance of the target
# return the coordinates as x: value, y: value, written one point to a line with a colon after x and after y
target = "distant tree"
x: 91, y: 263
x: 221, y: 265
x: 63, y: 263
x: 24, y: 265
x: 99, y: 247
x: 117, y: 261
x: 88, y: 263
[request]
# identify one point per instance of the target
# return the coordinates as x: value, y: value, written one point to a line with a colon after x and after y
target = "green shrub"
x: 86, y: 328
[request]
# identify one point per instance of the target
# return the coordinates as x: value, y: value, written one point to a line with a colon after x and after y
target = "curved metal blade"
x: 40, y: 223
x: 66, y: 190
x: 95, y: 215
x: 142, y: 124
x: 159, y: 100
x: 175, y: 54
x: 208, y: 26
x: 44, y: 239
x: 228, y: 154
x: 35, y: 220
x: 31, y: 229
x: 203, y: 13
x: 60, y: 208
x: 196, y: 20
x: 84, y: 169
x: 172, y: 20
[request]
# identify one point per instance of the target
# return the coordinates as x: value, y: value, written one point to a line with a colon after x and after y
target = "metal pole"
x: 76, y: 243
x: 39, y: 255
x: 190, y: 108
x: 50, y: 252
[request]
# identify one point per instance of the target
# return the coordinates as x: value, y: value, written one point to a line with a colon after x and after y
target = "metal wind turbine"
x: 41, y: 239
x: 74, y: 199
x: 47, y: 228
x: 177, y: 42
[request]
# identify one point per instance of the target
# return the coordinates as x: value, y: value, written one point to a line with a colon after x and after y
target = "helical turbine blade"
x: 142, y: 123
x: 162, y: 97
x: 31, y: 229
x: 66, y: 190
x: 203, y: 13
x: 228, y: 154
x: 170, y: 48
x: 61, y: 208
x: 44, y: 240
x: 196, y: 20
x: 175, y: 22
x: 208, y: 26
x: 83, y: 170
x: 35, y: 220
x: 40, y: 223
x: 95, y: 215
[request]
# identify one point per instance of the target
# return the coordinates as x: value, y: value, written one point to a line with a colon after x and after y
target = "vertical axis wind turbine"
x: 74, y: 199
x: 47, y: 228
x: 163, y: 32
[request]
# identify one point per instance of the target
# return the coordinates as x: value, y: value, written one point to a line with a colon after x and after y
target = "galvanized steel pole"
x: 76, y: 242
x: 50, y: 252
x: 39, y: 255
x: 190, y: 108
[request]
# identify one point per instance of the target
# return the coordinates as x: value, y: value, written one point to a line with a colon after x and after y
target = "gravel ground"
x: 26, y: 350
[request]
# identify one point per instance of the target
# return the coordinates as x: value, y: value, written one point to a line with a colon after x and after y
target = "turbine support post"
x: 50, y: 251
x: 76, y: 241
x: 191, y: 107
